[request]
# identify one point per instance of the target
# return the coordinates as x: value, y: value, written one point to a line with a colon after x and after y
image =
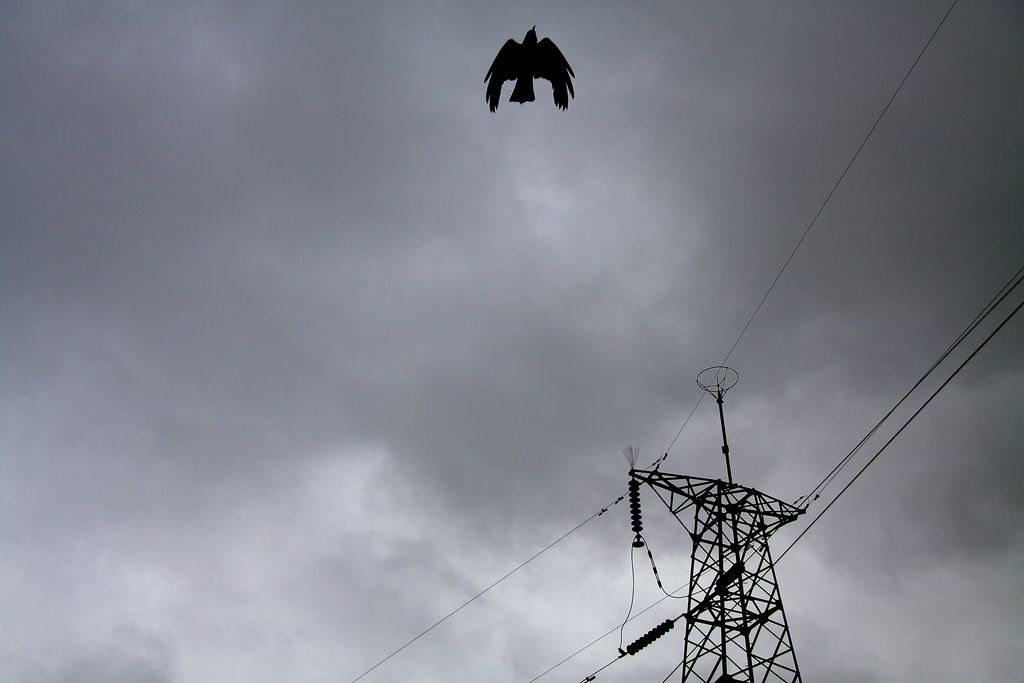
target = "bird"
x: 524, y: 62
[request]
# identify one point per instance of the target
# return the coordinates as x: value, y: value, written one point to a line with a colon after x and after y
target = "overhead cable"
x: 838, y: 182
x: 904, y: 426
x: 492, y: 585
x: 997, y: 299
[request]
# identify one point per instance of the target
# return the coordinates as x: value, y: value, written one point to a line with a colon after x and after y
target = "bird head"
x: 531, y: 37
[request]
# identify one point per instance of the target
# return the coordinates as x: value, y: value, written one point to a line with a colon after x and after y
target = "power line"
x: 674, y: 669
x: 994, y: 302
x: 818, y: 213
x: 900, y: 430
x: 837, y: 183
x: 495, y: 583
x: 681, y: 428
x: 657, y: 576
x: 632, y: 592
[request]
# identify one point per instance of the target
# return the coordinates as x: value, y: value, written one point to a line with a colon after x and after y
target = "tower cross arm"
x: 679, y: 492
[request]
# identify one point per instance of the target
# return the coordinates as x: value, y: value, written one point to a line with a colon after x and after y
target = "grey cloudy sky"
x: 300, y: 347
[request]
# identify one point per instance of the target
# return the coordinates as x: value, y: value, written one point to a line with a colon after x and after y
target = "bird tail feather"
x: 523, y: 92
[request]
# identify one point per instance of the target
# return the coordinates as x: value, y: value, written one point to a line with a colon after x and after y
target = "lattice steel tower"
x: 736, y: 629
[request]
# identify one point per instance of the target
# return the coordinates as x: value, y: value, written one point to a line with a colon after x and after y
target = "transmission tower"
x: 736, y: 629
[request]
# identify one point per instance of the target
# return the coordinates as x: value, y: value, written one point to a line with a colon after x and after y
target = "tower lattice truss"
x: 736, y: 627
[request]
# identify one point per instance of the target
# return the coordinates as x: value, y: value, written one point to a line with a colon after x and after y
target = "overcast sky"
x: 301, y: 347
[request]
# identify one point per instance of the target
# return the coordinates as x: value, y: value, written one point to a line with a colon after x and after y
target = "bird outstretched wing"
x: 502, y: 69
x: 552, y: 66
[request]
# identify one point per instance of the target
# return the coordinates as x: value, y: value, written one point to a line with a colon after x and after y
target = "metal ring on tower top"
x: 717, y: 379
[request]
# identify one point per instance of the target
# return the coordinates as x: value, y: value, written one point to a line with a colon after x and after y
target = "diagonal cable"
x: 838, y: 181
x: 994, y: 302
x: 900, y: 430
x: 495, y: 583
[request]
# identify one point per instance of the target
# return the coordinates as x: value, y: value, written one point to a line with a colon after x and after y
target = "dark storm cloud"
x: 302, y: 347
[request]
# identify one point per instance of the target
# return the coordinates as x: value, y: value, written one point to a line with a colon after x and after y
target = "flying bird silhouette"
x: 524, y: 62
